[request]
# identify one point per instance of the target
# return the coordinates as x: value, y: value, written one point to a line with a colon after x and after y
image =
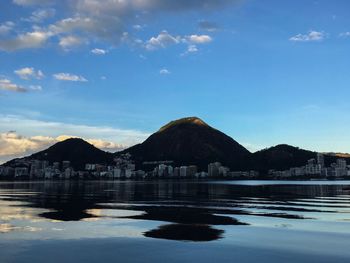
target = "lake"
x: 175, y: 221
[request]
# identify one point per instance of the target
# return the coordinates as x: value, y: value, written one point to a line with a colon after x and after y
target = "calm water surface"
x: 175, y: 221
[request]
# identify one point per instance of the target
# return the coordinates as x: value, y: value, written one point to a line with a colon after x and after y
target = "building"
x: 320, y: 159
x: 56, y: 165
x: 223, y: 171
x: 183, y: 171
x: 65, y: 165
x: 213, y: 169
x: 191, y: 171
x: 90, y: 167
x: 117, y: 173
x: 341, y: 163
x: 21, y: 172
x: 128, y: 173
x: 313, y: 168
x: 6, y: 171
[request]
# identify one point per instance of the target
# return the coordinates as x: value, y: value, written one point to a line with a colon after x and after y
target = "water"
x: 175, y: 221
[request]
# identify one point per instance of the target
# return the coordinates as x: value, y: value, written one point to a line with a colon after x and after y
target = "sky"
x: 115, y: 71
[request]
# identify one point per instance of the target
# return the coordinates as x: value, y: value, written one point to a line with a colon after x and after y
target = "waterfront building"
x: 320, y: 159
x: 213, y: 169
x: 183, y: 171
x: 21, y: 172
x: 65, y: 165
x: 56, y: 165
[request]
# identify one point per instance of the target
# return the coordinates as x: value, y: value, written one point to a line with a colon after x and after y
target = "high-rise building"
x: 320, y: 159
x: 56, y: 165
x: 176, y: 172
x: 65, y: 165
x: 183, y: 171
x: 191, y: 171
x: 213, y: 169
x: 21, y: 172
x: 341, y: 163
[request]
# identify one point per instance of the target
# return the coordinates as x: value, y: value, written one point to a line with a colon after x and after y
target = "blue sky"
x: 114, y: 71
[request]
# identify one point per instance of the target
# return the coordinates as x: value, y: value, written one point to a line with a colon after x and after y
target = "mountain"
x: 280, y: 157
x: 283, y: 156
x: 187, y: 141
x: 77, y: 151
x: 190, y: 141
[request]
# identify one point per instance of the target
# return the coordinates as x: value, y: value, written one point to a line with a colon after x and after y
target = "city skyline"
x: 113, y: 73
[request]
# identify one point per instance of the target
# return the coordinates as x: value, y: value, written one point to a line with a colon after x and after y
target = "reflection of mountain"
x: 176, y: 202
x: 191, y: 211
x: 185, y: 232
x: 185, y: 215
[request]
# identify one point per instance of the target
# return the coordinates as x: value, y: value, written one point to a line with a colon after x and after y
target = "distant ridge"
x: 186, y: 141
x: 75, y: 150
x: 280, y: 157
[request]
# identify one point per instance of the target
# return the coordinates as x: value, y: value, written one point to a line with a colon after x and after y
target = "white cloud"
x: 69, y: 77
x: 69, y: 42
x: 35, y: 39
x: 32, y: 2
x: 105, y: 28
x: 199, y: 39
x: 6, y: 84
x: 104, y: 21
x: 344, y: 34
x: 182, y: 5
x: 192, y: 49
x: 40, y: 15
x: 208, y: 26
x: 6, y: 27
x: 125, y: 8
x: 311, y: 36
x: 163, y: 40
x: 137, y: 27
x: 29, y: 73
x: 35, y: 87
x: 13, y: 145
x: 98, y: 51
x: 164, y: 71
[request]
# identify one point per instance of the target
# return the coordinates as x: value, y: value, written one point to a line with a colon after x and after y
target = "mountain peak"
x: 76, y: 150
x: 189, y: 141
x: 187, y: 120
x: 74, y: 140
